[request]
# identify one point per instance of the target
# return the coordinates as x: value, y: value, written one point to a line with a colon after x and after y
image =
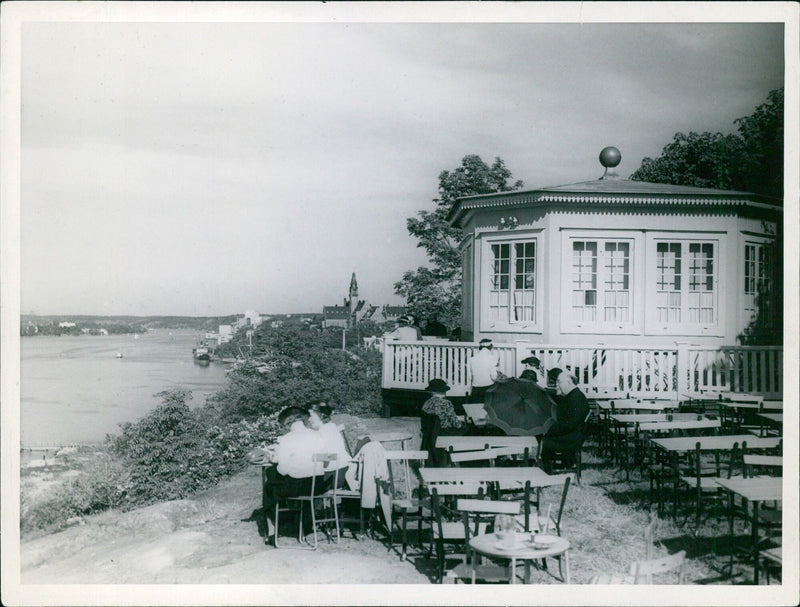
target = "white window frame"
x: 569, y: 324
x: 653, y: 325
x: 487, y: 271
x: 745, y: 240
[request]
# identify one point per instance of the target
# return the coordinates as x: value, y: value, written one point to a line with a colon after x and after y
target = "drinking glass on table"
x: 505, y: 529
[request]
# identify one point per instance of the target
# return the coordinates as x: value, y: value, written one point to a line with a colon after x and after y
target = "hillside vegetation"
x: 175, y: 450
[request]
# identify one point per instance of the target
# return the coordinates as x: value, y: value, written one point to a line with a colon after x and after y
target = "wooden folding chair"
x: 328, y: 497
x: 643, y: 571
x: 448, y: 526
x: 410, y: 508
x: 477, y: 515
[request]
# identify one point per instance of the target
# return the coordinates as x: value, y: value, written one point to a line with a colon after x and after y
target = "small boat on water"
x: 119, y: 354
x: 203, y: 351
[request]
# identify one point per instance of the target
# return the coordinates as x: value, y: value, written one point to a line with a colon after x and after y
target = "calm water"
x: 75, y: 389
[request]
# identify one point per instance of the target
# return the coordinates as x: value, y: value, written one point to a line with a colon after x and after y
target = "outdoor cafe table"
x: 688, y: 424
x: 536, y: 476
x: 767, y: 405
x: 476, y: 443
x: 634, y: 418
x: 753, y: 490
x: 508, y: 477
x: 681, y: 444
x: 522, y: 550
x: 659, y: 405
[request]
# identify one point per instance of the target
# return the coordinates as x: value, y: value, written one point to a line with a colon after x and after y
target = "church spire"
x: 353, y: 298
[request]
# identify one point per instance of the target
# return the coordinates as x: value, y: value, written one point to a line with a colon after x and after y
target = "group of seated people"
x: 563, y: 438
x: 309, y: 430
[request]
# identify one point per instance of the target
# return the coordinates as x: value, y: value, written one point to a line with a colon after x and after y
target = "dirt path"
x: 210, y: 538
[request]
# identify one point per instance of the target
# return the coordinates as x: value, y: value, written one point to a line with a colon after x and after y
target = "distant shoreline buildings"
x: 354, y: 310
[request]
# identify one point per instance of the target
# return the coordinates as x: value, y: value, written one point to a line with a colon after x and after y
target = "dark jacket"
x: 530, y: 375
x: 567, y: 433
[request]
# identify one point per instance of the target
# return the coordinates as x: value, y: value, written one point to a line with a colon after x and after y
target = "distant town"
x: 32, y: 325
x: 217, y: 329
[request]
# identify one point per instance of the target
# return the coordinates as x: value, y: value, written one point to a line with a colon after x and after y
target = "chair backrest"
x: 324, y: 459
x: 770, y: 462
x: 476, y: 514
x: 445, y: 528
x: 643, y: 571
x: 487, y: 455
x: 390, y: 437
x: 405, y: 458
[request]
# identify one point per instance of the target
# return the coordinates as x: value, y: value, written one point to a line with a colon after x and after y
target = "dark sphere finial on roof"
x: 610, y: 157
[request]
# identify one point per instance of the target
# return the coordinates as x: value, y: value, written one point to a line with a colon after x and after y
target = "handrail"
x: 603, y: 371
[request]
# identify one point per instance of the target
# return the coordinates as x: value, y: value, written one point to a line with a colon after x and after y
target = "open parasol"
x: 519, y: 407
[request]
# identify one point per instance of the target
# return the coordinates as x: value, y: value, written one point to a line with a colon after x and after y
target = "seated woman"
x: 293, y: 468
x: 533, y: 370
x: 319, y: 419
x: 438, y: 417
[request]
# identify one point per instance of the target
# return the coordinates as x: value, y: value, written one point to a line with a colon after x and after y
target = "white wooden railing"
x: 673, y: 372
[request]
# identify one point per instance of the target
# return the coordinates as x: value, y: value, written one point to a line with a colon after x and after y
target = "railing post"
x: 388, y: 363
x: 684, y: 379
x: 522, y: 351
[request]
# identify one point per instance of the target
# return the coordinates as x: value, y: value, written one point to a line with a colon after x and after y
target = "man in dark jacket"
x: 566, y: 435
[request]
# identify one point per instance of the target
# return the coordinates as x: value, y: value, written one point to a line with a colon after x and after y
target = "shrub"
x: 292, y: 366
x: 174, y: 451
x: 100, y: 487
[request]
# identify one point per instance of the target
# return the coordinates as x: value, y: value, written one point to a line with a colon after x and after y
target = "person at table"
x: 533, y: 370
x: 566, y: 435
x: 438, y: 417
x: 319, y: 419
x: 293, y: 469
x: 405, y: 330
x: 484, y: 367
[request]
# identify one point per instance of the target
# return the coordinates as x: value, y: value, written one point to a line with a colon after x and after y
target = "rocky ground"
x: 215, y: 537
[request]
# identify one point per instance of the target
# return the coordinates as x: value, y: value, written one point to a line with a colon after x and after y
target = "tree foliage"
x: 435, y: 291
x: 293, y: 365
x: 751, y: 160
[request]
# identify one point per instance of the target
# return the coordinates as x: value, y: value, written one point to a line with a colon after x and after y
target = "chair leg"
x: 404, y: 534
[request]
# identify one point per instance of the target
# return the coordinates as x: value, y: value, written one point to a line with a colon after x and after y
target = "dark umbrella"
x: 519, y: 407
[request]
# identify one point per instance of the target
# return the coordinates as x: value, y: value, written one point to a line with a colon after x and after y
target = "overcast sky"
x: 206, y: 169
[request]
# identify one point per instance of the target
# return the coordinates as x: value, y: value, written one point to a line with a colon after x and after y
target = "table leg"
x: 675, y: 480
x: 754, y: 541
x: 566, y: 567
x: 513, y: 570
x: 527, y: 572
x: 730, y: 526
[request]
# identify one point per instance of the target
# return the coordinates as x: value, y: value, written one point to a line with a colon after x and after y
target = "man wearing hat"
x: 484, y: 367
x: 405, y: 330
x: 533, y: 368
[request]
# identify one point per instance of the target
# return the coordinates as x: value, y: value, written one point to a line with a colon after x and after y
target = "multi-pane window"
x: 756, y: 276
x: 601, y: 281
x: 668, y: 281
x: 686, y: 282
x: 512, y: 286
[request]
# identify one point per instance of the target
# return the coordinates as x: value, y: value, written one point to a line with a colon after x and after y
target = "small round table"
x: 522, y: 550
